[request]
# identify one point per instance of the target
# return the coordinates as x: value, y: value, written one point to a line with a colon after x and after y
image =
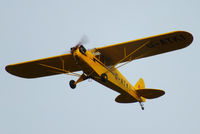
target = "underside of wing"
x: 44, y: 67
x: 136, y: 49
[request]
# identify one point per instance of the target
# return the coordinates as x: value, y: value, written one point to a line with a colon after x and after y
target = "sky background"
x: 33, y: 29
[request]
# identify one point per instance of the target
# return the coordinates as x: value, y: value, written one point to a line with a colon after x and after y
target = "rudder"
x: 140, y: 84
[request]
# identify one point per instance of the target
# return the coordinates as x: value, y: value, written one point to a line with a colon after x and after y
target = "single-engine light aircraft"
x: 100, y: 64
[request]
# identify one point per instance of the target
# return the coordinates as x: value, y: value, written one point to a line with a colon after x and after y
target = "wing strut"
x: 130, y: 55
x: 134, y: 59
x: 61, y: 70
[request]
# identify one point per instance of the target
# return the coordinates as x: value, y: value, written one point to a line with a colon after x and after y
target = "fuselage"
x: 94, y: 68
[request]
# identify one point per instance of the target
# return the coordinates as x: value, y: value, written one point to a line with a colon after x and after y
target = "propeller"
x: 84, y: 40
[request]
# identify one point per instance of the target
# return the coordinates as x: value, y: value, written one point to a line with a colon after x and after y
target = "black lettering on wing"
x: 169, y: 40
x: 176, y: 39
x: 163, y: 42
x: 153, y: 44
x: 182, y: 37
x: 150, y: 45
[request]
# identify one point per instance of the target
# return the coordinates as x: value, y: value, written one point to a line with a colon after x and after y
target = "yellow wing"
x: 136, y: 49
x: 44, y: 67
x: 111, y: 55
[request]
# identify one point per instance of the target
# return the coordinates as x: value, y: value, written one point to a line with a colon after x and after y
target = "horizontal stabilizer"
x: 150, y: 93
x: 125, y: 98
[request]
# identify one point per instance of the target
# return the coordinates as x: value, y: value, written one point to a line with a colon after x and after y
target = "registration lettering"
x: 167, y: 41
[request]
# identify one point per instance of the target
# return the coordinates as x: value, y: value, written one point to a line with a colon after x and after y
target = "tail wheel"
x: 104, y: 77
x: 82, y: 49
x: 142, y: 105
x: 72, y: 84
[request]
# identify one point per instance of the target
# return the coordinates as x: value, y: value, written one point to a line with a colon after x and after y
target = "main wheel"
x: 72, y: 84
x: 82, y: 49
x: 104, y: 77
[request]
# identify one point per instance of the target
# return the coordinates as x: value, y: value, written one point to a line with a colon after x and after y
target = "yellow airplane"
x: 101, y: 64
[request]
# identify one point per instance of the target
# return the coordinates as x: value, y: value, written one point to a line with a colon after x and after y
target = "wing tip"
x: 188, y: 37
x: 8, y: 69
x: 12, y: 70
x: 191, y: 38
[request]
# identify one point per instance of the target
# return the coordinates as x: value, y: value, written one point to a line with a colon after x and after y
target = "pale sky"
x: 33, y: 29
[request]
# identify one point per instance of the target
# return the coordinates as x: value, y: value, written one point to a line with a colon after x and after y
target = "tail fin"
x: 146, y: 92
x: 140, y: 84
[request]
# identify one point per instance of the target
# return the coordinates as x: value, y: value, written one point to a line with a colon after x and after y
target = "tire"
x: 72, y: 84
x: 104, y: 77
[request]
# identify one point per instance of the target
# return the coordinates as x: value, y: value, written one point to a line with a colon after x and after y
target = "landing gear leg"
x: 142, y: 105
x: 73, y: 83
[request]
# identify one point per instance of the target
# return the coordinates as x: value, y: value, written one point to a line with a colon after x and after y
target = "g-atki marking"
x: 167, y: 41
